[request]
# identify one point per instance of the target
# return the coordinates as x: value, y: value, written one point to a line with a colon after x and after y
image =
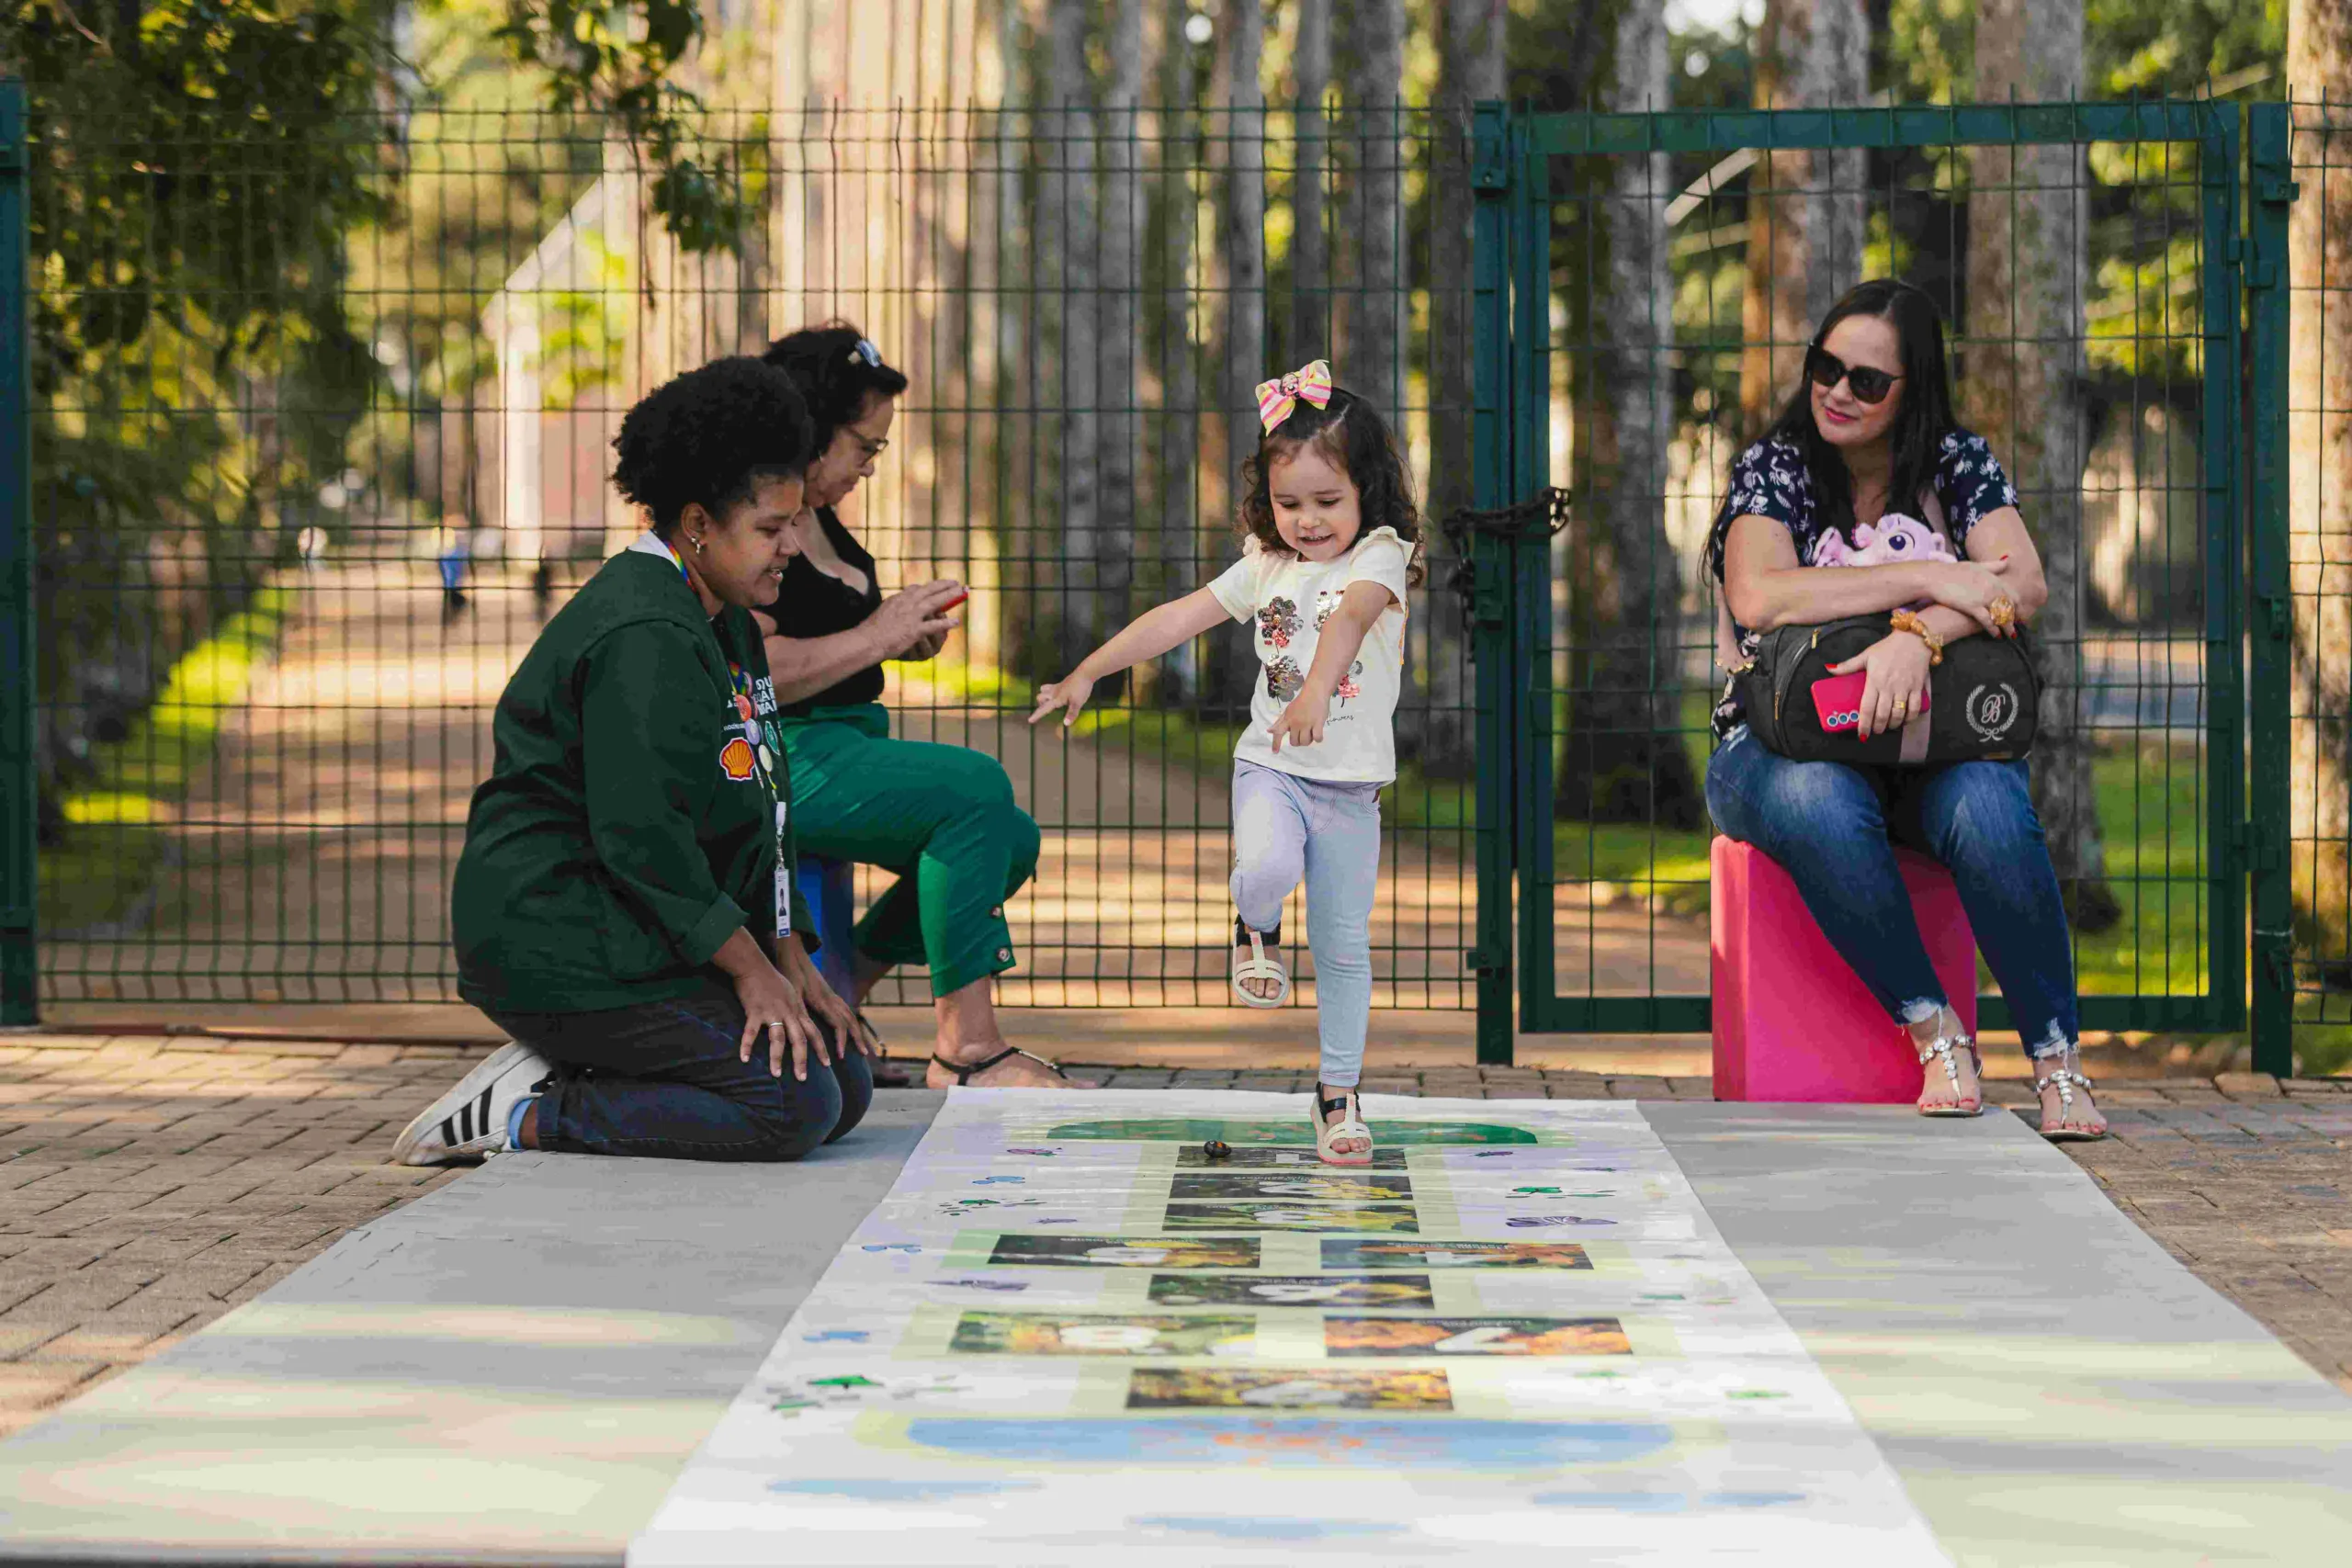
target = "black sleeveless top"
x: 814, y: 604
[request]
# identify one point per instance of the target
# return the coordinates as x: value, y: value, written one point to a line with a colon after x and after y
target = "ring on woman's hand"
x: 1901, y: 707
x: 2002, y: 613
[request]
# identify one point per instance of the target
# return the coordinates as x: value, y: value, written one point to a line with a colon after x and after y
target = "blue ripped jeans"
x: 1834, y: 829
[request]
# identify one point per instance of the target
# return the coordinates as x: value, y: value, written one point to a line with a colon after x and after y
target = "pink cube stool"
x: 1793, y: 1019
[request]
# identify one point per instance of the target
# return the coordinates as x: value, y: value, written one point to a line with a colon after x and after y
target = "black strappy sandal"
x: 964, y: 1074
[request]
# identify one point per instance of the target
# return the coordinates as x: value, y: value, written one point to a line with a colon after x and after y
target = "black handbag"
x: 1983, y: 700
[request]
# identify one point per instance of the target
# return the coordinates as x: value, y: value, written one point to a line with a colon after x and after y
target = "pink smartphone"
x: 1839, y: 700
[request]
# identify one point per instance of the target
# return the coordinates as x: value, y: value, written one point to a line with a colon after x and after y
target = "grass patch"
x: 114, y: 844
x: 2151, y: 800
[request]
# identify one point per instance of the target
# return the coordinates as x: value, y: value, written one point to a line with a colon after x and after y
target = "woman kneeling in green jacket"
x: 624, y: 906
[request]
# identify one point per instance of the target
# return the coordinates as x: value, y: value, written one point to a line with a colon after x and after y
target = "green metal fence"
x: 1663, y: 272
x: 260, y: 710
x: 246, y: 727
x: 2301, y: 271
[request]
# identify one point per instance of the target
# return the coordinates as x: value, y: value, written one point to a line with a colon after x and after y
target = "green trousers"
x: 941, y: 817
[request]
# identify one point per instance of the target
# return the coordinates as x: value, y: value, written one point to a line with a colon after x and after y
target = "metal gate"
x: 1640, y: 312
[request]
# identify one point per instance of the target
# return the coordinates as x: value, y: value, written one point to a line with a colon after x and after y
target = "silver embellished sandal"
x: 2066, y: 1077
x: 1940, y: 1049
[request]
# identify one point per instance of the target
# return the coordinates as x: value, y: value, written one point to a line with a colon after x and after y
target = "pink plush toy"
x: 1896, y: 539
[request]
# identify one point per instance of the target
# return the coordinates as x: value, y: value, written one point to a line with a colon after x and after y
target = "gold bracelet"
x: 1909, y: 621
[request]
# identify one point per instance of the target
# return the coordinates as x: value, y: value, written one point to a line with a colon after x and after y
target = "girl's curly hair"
x: 840, y: 383
x: 1352, y: 433
x: 710, y: 436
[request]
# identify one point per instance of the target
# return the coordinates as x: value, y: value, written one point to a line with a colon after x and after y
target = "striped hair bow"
x: 1277, y: 397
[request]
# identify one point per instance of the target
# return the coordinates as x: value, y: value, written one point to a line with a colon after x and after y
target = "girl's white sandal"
x: 1258, y: 966
x: 1350, y: 1125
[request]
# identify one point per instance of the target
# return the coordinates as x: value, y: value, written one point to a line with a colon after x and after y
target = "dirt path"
x: 313, y: 855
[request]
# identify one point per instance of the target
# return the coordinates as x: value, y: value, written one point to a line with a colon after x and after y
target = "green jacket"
x: 630, y: 824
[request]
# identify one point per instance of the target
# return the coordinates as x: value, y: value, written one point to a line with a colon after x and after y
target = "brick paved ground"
x: 149, y: 1184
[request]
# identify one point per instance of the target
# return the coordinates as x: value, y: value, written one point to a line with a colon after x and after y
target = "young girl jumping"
x: 1331, y: 529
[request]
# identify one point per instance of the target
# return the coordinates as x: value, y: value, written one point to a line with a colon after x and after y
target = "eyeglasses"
x: 1825, y: 370
x: 864, y: 349
x: 870, y: 447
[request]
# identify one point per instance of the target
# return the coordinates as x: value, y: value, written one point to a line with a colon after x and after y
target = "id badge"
x: 784, y: 872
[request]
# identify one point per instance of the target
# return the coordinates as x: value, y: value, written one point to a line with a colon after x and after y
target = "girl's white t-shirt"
x: 1288, y: 599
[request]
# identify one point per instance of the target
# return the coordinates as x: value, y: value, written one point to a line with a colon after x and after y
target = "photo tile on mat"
x: 1341, y: 1252
x: 1193, y: 1157
x: 1354, y: 1186
x: 1293, y: 1388
x: 1289, y: 1133
x: 1052, y: 1334
x: 1396, y: 1290
x: 1394, y: 1218
x: 1475, y: 1337
x: 1126, y: 1251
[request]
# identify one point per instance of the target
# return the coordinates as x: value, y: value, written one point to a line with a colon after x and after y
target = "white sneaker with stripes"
x: 470, y: 1122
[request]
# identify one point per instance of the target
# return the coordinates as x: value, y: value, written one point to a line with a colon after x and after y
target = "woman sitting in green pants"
x: 941, y: 817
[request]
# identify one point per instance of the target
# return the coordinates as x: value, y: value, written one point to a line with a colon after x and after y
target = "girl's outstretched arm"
x: 1335, y: 651
x: 1148, y: 635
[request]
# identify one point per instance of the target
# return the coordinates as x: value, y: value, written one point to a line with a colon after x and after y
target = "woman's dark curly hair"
x: 833, y: 374
x: 1354, y: 437
x: 710, y: 436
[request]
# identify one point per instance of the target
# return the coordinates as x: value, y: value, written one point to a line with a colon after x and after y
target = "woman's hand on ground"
x: 1971, y: 588
x: 773, y: 1009
x: 1897, y: 680
x: 1068, y: 695
x: 910, y: 614
x: 1303, y: 721
x: 825, y: 1002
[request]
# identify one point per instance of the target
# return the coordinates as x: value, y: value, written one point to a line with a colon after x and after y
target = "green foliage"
x: 615, y: 61
x: 194, y: 167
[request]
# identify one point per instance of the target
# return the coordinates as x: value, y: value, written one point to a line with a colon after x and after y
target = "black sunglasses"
x: 1825, y: 370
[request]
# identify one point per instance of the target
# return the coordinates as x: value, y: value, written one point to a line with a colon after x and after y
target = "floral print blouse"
x: 1769, y: 479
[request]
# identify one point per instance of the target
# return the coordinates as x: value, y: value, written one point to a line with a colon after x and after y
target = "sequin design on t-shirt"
x: 1278, y: 623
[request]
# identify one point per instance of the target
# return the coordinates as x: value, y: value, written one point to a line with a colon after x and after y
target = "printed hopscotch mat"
x: 1069, y: 1335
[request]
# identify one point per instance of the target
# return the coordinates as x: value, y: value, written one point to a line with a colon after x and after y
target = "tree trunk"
x: 1371, y: 339
x: 1177, y: 479
x: 1074, y: 220
x: 2022, y: 392
x: 1115, y: 321
x: 1624, y: 759
x: 1308, y: 331
x: 2319, y: 65
x: 1805, y: 207
x: 1437, y: 730
x: 1239, y: 105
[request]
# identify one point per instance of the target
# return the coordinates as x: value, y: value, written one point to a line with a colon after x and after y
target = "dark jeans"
x: 1834, y: 828
x: 663, y: 1079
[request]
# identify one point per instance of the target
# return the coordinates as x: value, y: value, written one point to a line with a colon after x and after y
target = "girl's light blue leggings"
x: 1287, y: 828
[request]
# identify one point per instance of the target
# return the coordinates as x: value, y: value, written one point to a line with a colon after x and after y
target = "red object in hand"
x: 1839, y: 700
x: 961, y: 594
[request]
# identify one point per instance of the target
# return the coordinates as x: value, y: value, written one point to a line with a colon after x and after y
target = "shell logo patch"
x: 736, y: 760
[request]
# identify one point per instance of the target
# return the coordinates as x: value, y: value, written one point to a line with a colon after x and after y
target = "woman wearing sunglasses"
x: 1868, y: 435
x: 941, y: 817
